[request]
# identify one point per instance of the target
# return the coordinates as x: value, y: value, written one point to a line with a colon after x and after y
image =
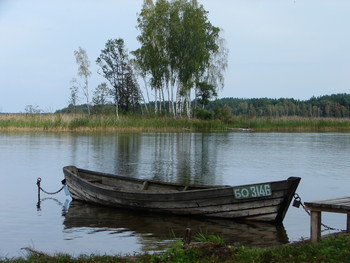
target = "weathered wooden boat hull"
x: 258, y: 202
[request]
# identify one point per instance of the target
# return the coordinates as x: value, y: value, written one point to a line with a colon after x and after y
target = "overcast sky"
x: 278, y: 48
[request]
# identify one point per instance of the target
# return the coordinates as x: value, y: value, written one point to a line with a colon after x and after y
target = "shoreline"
x: 330, y: 248
x: 135, y: 124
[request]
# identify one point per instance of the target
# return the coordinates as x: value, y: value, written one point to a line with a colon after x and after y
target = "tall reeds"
x: 72, y: 122
x: 298, y: 124
x: 76, y: 122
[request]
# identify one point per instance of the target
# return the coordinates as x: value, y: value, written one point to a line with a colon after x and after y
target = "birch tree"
x: 152, y: 57
x: 84, y: 72
x: 178, y: 44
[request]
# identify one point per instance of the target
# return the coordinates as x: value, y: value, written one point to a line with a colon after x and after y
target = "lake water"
x: 59, y: 225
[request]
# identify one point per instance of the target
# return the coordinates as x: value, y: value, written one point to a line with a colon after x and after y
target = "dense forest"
x: 335, y: 106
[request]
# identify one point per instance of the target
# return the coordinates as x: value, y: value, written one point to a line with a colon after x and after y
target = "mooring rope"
x: 38, y: 181
x: 297, y: 202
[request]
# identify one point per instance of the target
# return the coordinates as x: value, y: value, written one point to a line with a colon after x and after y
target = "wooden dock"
x: 335, y: 205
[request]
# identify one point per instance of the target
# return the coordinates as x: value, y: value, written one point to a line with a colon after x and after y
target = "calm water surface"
x: 321, y: 159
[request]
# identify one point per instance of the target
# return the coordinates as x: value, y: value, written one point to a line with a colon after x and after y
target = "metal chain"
x: 49, y: 193
x: 297, y: 202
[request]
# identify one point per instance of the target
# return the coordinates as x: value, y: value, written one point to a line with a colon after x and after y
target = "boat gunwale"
x: 203, y: 188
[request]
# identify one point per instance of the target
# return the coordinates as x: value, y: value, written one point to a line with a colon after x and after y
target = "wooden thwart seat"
x: 335, y: 205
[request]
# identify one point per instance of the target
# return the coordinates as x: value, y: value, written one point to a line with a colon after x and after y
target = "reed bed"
x: 298, y: 124
x: 72, y: 122
x: 110, y: 123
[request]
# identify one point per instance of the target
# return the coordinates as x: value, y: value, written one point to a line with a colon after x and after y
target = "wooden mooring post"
x: 187, y: 238
x: 315, y: 225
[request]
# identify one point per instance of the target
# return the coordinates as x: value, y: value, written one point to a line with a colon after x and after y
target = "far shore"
x: 138, y: 123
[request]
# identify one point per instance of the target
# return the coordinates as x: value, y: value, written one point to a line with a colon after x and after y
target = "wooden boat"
x: 259, y: 202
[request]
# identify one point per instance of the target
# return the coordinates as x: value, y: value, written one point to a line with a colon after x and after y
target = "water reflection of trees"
x: 172, y: 157
x: 118, y: 153
x: 183, y: 157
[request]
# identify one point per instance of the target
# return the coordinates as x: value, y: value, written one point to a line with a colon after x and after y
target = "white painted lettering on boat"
x: 252, y: 191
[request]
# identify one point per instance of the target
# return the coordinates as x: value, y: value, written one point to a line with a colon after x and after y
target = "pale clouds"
x: 278, y: 48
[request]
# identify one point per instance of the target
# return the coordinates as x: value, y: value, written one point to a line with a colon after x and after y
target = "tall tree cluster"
x: 181, y: 55
x: 181, y: 52
x: 116, y: 68
x: 123, y: 89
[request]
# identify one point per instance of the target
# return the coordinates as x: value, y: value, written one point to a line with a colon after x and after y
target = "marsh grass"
x: 330, y: 249
x: 204, y: 237
x: 76, y: 122
x: 297, y: 124
x: 66, y: 122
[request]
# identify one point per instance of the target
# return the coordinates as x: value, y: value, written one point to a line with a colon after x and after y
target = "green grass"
x: 331, y: 249
x: 71, y: 122
x: 209, y: 238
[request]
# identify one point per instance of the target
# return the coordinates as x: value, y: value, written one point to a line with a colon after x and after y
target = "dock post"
x: 187, y: 239
x: 315, y: 226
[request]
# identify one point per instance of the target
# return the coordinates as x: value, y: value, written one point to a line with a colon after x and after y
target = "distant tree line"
x: 336, y: 105
x: 328, y: 106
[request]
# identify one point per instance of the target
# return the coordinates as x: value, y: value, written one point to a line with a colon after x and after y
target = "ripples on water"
x: 321, y: 159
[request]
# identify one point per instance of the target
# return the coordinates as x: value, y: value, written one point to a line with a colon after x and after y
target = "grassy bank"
x: 109, y: 123
x: 330, y: 249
